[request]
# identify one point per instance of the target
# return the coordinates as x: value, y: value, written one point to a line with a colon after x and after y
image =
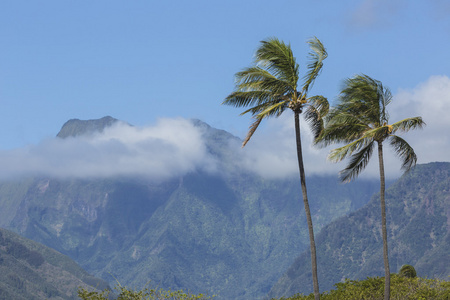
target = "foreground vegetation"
x: 125, y: 293
x: 402, y: 288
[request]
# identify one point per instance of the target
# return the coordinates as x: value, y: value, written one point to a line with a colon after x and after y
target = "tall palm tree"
x: 361, y: 121
x: 271, y: 86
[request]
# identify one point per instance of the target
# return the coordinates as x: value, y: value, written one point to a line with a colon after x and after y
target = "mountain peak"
x: 76, y: 127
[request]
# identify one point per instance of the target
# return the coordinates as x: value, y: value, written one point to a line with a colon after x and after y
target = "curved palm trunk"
x: 306, y: 204
x: 387, y: 274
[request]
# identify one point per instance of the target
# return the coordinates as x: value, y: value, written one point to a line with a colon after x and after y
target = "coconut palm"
x: 271, y: 86
x: 361, y: 121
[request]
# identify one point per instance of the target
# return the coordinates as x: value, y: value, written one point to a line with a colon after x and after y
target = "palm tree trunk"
x: 306, y: 204
x: 387, y: 274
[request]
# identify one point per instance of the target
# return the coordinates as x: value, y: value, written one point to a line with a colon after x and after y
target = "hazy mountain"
x: 29, y: 270
x: 76, y: 127
x: 230, y: 233
x: 418, y: 219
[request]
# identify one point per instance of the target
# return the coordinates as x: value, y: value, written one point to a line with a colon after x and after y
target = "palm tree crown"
x: 361, y: 120
x: 271, y: 85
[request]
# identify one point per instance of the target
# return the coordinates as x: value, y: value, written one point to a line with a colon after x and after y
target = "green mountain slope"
x: 29, y: 270
x: 418, y: 216
x: 231, y: 234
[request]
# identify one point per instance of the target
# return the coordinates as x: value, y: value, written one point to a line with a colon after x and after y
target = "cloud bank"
x: 171, y: 148
x: 431, y: 101
x: 272, y: 153
x: 175, y: 147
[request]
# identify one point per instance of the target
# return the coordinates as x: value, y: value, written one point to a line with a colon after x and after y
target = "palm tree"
x: 361, y: 121
x: 269, y: 87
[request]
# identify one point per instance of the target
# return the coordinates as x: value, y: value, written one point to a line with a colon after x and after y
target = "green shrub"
x: 125, y: 293
x: 407, y: 271
x: 402, y: 288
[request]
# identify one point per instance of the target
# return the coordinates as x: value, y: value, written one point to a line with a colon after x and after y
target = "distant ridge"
x: 76, y: 127
x: 29, y: 270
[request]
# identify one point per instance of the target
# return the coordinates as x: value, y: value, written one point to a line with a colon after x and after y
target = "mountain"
x: 29, y: 270
x: 231, y: 233
x: 76, y: 127
x: 418, y: 219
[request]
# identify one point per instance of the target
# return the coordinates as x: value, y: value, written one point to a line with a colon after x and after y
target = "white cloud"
x: 172, y: 147
x: 272, y: 151
x: 431, y: 101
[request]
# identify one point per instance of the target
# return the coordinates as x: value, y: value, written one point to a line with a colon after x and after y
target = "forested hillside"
x: 29, y: 270
x: 418, y: 216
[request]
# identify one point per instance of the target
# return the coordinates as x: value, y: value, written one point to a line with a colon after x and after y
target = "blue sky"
x: 139, y: 61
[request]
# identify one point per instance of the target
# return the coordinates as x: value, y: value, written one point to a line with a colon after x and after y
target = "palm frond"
x: 316, y: 57
x: 340, y: 127
x: 357, y: 164
x: 315, y: 113
x: 321, y: 104
x: 243, y: 99
x: 339, y: 115
x: 404, y: 151
x: 341, y: 153
x: 253, y: 74
x: 408, y: 124
x: 359, y: 98
x: 269, y: 108
x: 339, y: 133
x: 276, y: 57
x: 274, y: 109
x: 384, y: 96
x: 255, y: 78
x: 251, y: 130
x: 378, y: 133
